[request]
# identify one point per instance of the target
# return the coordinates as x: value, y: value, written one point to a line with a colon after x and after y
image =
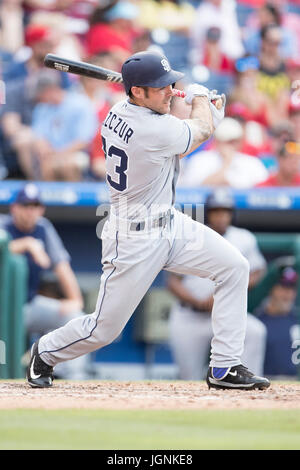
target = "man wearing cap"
x: 16, y: 113
x: 190, y: 323
x: 225, y: 165
x: 145, y: 234
x: 34, y: 236
x: 280, y: 315
x: 40, y: 40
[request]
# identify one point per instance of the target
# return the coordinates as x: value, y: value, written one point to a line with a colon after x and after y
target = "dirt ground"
x: 145, y: 395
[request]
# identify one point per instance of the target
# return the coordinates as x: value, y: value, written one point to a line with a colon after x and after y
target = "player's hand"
x: 195, y: 90
x: 217, y: 114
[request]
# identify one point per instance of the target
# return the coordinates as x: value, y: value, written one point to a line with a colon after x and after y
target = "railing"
x: 13, y: 286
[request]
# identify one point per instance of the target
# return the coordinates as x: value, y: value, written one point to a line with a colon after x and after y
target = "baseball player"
x: 190, y: 317
x: 145, y: 234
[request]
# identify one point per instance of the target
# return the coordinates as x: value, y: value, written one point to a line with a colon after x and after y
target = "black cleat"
x: 235, y: 378
x: 39, y: 374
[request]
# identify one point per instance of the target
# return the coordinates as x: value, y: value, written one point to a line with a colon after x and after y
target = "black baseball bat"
x: 94, y: 71
x: 81, y: 68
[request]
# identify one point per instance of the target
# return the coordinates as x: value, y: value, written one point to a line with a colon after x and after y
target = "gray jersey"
x: 142, y: 166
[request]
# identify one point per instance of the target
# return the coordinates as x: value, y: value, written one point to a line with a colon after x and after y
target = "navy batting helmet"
x: 220, y: 198
x: 148, y: 69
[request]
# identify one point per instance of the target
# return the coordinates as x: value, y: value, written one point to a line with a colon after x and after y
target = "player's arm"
x: 176, y: 286
x: 200, y: 122
x: 204, y: 117
x: 73, y: 301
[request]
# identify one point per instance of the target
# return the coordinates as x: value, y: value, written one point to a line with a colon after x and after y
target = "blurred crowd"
x: 248, y: 49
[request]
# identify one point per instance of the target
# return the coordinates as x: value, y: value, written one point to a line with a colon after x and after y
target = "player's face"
x: 158, y: 99
x: 26, y: 216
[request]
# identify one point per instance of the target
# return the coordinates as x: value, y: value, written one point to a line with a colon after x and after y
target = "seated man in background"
x: 63, y: 126
x: 281, y: 318
x: 16, y: 121
x: 35, y: 237
x: 190, y: 319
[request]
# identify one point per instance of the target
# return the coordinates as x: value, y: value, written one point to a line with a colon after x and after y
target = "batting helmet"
x: 220, y: 198
x: 148, y: 69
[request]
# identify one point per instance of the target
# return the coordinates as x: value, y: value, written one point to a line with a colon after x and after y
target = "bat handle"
x: 181, y: 94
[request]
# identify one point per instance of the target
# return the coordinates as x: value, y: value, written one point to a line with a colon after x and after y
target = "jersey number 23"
x: 118, y: 180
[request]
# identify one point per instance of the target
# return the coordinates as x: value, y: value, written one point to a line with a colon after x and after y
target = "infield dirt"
x: 145, y: 395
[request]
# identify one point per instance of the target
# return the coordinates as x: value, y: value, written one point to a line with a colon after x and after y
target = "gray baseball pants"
x: 132, y: 260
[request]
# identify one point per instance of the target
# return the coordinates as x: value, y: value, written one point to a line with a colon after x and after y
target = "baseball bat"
x: 95, y: 71
x: 81, y: 68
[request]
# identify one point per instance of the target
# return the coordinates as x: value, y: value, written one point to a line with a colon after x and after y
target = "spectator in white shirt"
x: 224, y: 165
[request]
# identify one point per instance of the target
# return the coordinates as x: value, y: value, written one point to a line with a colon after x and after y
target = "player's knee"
x: 103, y: 337
x: 238, y: 264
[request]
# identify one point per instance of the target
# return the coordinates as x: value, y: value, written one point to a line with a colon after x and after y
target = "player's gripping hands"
x: 195, y: 90
x: 217, y: 113
x: 212, y: 95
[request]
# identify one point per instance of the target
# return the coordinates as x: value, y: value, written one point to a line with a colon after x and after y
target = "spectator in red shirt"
x: 213, y: 57
x: 246, y: 92
x: 280, y: 134
x: 288, y: 173
x: 112, y: 30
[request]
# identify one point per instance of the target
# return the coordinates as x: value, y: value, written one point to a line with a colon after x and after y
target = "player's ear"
x: 137, y: 92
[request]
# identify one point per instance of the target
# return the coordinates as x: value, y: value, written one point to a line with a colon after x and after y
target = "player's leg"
x: 201, y: 251
x: 130, y: 265
x: 43, y: 314
x: 190, y: 335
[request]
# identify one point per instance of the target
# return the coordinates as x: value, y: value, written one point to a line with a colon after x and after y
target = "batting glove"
x: 217, y: 114
x: 195, y: 90
x: 213, y: 95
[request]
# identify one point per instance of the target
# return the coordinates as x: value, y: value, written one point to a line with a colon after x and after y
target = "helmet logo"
x: 165, y: 65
